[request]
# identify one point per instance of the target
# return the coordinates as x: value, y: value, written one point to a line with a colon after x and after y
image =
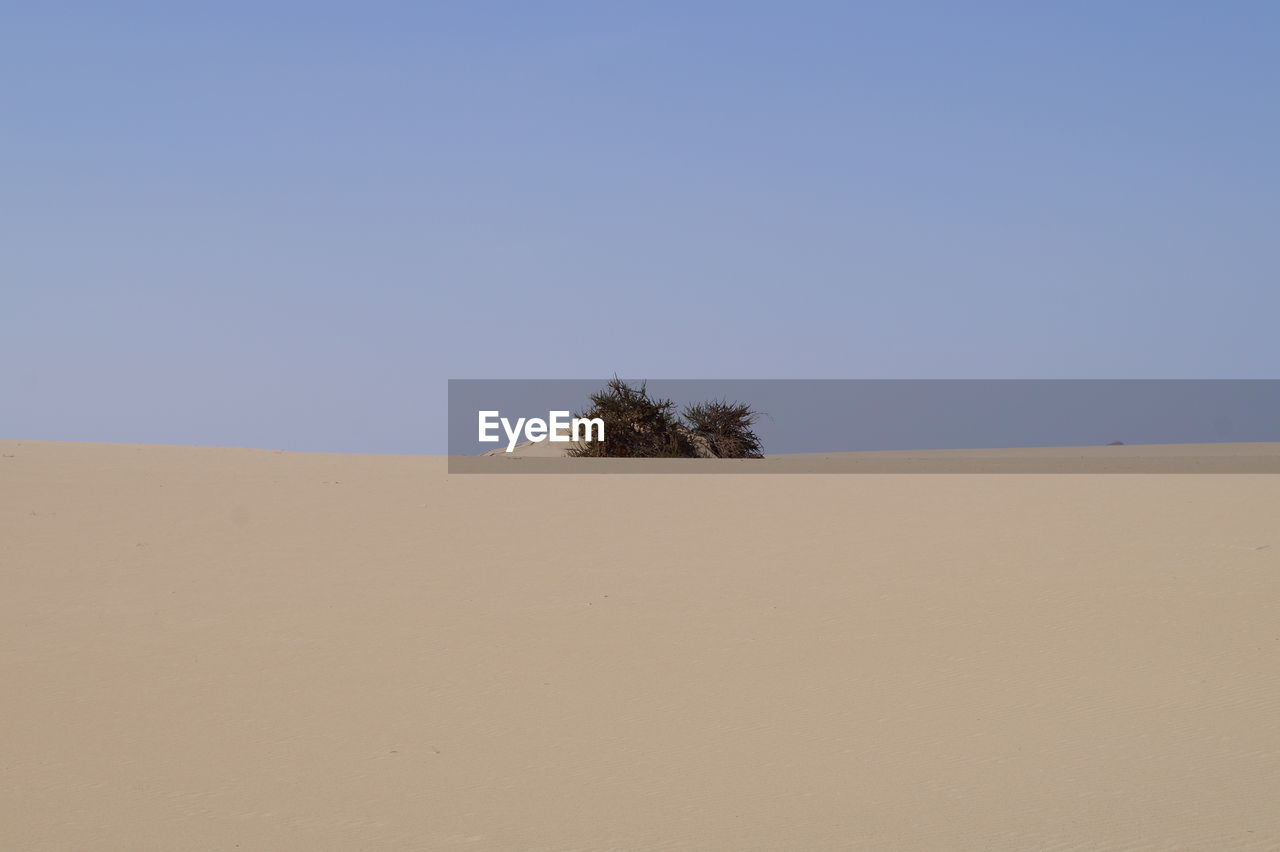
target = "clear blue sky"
x: 287, y: 224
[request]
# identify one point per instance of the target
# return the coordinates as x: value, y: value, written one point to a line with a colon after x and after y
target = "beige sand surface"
x: 245, y: 649
x: 1152, y: 458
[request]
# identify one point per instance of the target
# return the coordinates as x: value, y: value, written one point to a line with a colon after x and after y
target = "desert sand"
x: 1152, y: 458
x: 247, y: 649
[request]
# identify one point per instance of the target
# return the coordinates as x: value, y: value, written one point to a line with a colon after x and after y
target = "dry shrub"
x: 639, y: 426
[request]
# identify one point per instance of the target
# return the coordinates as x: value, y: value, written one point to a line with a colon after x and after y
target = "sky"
x: 288, y: 224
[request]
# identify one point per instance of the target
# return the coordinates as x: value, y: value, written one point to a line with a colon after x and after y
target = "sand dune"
x: 218, y: 648
x: 1152, y: 458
